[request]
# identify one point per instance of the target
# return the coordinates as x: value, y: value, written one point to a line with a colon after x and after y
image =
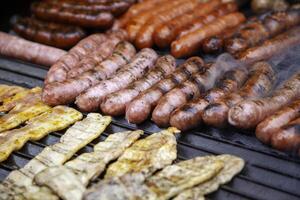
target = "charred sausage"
x: 190, y: 43
x: 270, y: 125
x: 59, y: 93
x: 247, y: 114
x: 16, y: 47
x: 189, y: 115
x: 92, y: 98
x: 260, y: 83
x: 115, y: 104
x: 53, y: 34
x: 140, y: 108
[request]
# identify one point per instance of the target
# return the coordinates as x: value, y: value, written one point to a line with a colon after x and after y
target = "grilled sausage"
x: 260, y: 82
x: 288, y: 137
x: 167, y: 32
x: 137, y: 22
x: 190, y: 43
x: 53, y: 34
x: 58, y: 72
x: 115, y: 104
x: 59, y: 93
x: 198, y: 23
x: 189, y: 115
x: 16, y: 47
x: 70, y: 15
x: 104, y: 50
x: 247, y: 114
x: 273, y: 123
x: 189, y: 90
x: 140, y: 108
x: 92, y: 98
x: 258, y: 31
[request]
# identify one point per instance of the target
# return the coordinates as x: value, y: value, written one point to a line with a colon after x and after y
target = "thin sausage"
x: 190, y: 43
x: 18, y: 48
x: 271, y: 124
x: 140, y: 108
x: 115, y: 104
x: 59, y: 93
x: 91, y: 99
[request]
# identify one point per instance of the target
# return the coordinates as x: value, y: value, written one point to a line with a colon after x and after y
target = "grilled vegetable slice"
x: 8, y: 91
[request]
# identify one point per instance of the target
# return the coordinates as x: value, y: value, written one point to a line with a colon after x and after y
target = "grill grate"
x: 268, y: 174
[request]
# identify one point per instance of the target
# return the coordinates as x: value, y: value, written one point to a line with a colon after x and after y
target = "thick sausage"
x: 19, y: 48
x: 59, y: 93
x: 271, y: 124
x: 272, y: 47
x: 79, y: 17
x: 140, y: 108
x: 115, y: 104
x: 247, y: 114
x: 190, y: 43
x: 53, y: 34
x: 92, y: 98
x: 288, y: 137
x: 137, y: 22
x: 167, y: 32
x: 104, y: 50
x: 189, y: 90
x: 260, y: 83
x: 189, y: 115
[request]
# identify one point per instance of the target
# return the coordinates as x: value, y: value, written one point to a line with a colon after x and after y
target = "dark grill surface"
x: 268, y: 174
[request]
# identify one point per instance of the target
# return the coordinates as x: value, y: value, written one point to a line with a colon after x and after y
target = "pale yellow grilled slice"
x: 8, y: 91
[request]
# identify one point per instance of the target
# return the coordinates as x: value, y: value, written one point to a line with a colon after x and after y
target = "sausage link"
x: 115, y: 104
x: 59, y: 93
x: 190, y: 43
x: 140, y: 108
x: 271, y: 47
x: 247, y: 114
x: 189, y: 90
x: 92, y: 98
x: 260, y: 82
x: 273, y: 123
x: 189, y: 116
x: 53, y: 34
x: 288, y: 137
x: 78, y: 17
x: 16, y: 47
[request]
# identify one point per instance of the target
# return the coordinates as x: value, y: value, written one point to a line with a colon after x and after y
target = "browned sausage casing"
x: 91, y: 99
x: 189, y: 116
x: 59, y: 93
x: 16, y: 47
x: 247, y: 114
x: 288, y: 137
x: 79, y: 17
x: 190, y: 43
x: 57, y: 35
x: 260, y: 83
x: 115, y: 104
x: 271, y: 124
x: 140, y: 108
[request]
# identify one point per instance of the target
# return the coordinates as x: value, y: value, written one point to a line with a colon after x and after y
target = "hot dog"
x: 16, y: 47
x: 53, y: 34
x: 190, y: 43
x: 271, y: 124
x: 59, y: 93
x: 260, y: 82
x: 140, y: 108
x: 115, y: 104
x: 70, y: 15
x: 189, y: 115
x: 189, y: 90
x: 247, y: 114
x: 140, y: 64
x: 167, y: 32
